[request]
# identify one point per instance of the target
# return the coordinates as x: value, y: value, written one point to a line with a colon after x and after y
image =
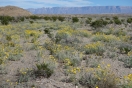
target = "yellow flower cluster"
x: 103, y: 73
x: 57, y: 47
x: 74, y: 70
x: 129, y: 53
x: 94, y: 45
x: 106, y: 38
x: 33, y: 32
x: 124, y: 38
x: 128, y: 77
x: 24, y: 71
x: 52, y: 57
x: 66, y: 31
x: 15, y: 37
x: 86, y: 32
x: 67, y: 61
x: 71, y: 32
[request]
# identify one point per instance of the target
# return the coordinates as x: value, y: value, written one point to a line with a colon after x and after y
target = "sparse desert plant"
x: 105, y: 38
x: 1, y: 61
x: 116, y: 32
x: 31, y: 22
x: 119, y: 32
x: 24, y: 75
x: 89, y: 20
x: 115, y: 17
x: 47, y: 31
x: 110, y: 22
x: 8, y: 38
x: 125, y: 48
x: 43, y: 70
x: 127, y: 61
x: 101, y: 77
x: 83, y: 33
x: 127, y: 81
x: 122, y: 20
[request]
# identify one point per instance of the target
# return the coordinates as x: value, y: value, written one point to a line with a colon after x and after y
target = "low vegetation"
x: 65, y: 52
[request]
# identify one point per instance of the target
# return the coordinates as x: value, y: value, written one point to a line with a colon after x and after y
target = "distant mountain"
x: 83, y: 10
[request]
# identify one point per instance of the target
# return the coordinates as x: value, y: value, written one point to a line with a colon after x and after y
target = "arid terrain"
x: 66, y: 51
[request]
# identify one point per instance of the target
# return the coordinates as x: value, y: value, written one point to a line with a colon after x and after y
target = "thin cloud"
x: 45, y: 3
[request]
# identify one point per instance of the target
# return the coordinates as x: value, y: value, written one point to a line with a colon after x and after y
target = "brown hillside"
x: 13, y: 11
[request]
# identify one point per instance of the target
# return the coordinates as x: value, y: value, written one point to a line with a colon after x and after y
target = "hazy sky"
x: 64, y: 3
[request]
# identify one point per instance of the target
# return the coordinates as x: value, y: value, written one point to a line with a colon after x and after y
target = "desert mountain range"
x: 83, y: 10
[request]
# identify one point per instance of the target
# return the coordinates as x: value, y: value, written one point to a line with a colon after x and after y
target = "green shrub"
x: 47, y: 31
x: 43, y: 70
x: 110, y: 22
x: 99, y: 23
x: 1, y: 61
x: 8, y: 38
x: 122, y: 20
x: 5, y: 21
x: 61, y: 18
x: 34, y: 17
x: 47, y: 18
x: 107, y: 18
x: 117, y: 21
x: 75, y: 19
x: 115, y: 17
x: 22, y: 18
x: 129, y: 20
x: 54, y: 18
x: 31, y: 22
x: 89, y: 18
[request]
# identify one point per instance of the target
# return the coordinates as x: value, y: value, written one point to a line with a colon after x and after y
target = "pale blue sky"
x: 64, y: 3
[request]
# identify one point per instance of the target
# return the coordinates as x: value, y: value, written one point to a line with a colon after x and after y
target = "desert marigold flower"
x: 96, y: 87
x: 108, y: 65
x: 7, y: 80
x: 98, y: 66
